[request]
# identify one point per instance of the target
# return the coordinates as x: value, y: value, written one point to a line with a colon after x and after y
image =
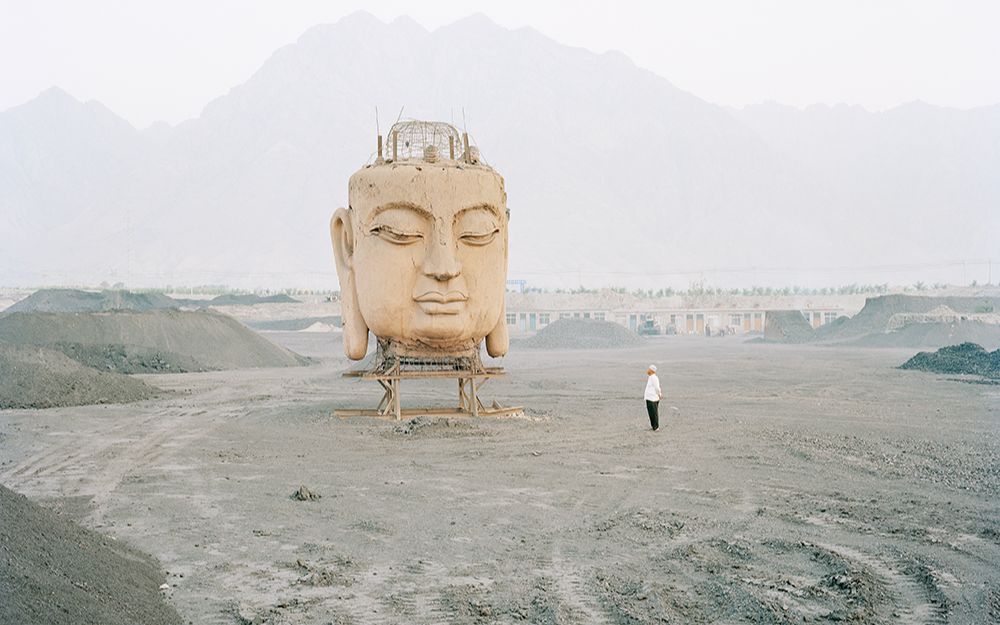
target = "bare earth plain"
x: 792, y: 483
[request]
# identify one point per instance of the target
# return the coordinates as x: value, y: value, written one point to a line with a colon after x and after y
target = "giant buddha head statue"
x: 421, y: 249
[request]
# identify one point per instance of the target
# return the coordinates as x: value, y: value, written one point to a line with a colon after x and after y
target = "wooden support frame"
x: 468, y: 396
x: 469, y: 402
x: 391, y: 366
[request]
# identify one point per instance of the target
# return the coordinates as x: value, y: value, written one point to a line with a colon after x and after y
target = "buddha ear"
x: 498, y: 340
x: 355, y: 329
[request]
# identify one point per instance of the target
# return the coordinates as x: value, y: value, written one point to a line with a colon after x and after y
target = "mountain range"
x: 614, y: 175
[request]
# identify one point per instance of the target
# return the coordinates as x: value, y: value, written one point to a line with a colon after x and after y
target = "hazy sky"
x: 164, y: 60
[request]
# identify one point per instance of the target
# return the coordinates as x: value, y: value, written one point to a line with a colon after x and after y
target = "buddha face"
x: 422, y: 258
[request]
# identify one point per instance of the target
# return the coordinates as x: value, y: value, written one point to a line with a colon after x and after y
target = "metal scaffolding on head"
x: 390, y: 366
x: 413, y: 139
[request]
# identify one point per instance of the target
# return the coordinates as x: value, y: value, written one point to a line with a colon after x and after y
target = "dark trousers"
x: 653, y: 408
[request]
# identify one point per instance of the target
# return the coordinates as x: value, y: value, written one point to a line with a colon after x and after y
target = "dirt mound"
x: 36, y: 377
x: 129, y: 358
x: 933, y: 335
x: 967, y: 358
x: 941, y: 314
x: 293, y: 325
x: 786, y: 326
x: 321, y: 327
x: 151, y: 341
x: 430, y: 427
x: 876, y: 316
x: 578, y: 333
x: 54, y: 572
x: 230, y: 299
x: 304, y: 494
x: 73, y: 300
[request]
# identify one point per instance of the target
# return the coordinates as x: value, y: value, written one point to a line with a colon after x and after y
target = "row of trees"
x: 219, y: 289
x: 922, y: 286
x: 701, y: 289
x: 694, y: 289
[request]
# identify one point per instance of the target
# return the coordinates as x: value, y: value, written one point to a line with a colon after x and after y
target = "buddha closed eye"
x: 477, y: 226
x: 406, y: 225
x: 400, y: 225
x: 393, y: 235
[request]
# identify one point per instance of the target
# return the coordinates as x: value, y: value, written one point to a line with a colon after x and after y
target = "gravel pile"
x: 73, y: 300
x: 786, y: 326
x: 967, y: 358
x: 895, y: 321
x: 128, y: 358
x: 35, y: 377
x: 54, y: 572
x: 292, y: 325
x: 152, y: 341
x: 934, y: 335
x: 249, y: 300
x: 875, y: 317
x: 579, y: 333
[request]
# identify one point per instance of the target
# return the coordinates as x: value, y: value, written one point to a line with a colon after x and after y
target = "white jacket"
x: 653, y: 392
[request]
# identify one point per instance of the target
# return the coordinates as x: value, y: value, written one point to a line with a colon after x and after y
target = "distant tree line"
x: 701, y: 289
x: 221, y: 289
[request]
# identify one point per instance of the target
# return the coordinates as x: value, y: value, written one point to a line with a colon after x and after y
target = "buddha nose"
x: 441, y: 260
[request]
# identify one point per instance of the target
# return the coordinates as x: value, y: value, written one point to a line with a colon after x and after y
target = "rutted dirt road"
x: 790, y: 484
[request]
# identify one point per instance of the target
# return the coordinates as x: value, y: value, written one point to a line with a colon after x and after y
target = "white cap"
x: 652, y: 368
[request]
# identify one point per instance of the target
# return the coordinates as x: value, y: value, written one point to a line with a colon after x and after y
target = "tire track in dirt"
x: 46, y: 463
x: 577, y: 603
x: 101, y: 462
x: 918, y: 600
x: 50, y: 460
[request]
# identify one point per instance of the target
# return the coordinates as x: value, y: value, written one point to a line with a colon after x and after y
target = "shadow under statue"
x: 421, y: 254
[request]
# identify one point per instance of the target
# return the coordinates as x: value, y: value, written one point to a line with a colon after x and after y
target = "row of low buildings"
x: 528, y: 313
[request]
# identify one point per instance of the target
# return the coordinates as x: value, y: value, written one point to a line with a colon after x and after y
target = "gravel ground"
x: 787, y: 484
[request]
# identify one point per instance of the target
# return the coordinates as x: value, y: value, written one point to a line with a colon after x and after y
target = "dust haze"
x: 790, y: 210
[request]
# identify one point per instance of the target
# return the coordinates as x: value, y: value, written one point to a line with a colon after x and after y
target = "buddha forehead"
x: 441, y: 190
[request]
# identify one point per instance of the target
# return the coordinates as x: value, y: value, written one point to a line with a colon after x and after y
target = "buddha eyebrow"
x: 483, y: 207
x: 401, y: 205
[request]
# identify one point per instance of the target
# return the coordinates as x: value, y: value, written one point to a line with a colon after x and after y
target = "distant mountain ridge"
x: 612, y: 172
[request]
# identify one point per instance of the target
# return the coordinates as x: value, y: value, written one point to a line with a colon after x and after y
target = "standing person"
x: 653, y: 396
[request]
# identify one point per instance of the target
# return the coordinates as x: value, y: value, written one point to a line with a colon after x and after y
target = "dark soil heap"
x: 869, y: 328
x: 249, y: 300
x: 786, y: 326
x: 292, y: 325
x: 576, y: 333
x: 967, y: 358
x: 152, y: 341
x: 129, y: 358
x: 36, y: 377
x: 54, y: 572
x: 934, y: 335
x: 874, y: 317
x: 72, y: 300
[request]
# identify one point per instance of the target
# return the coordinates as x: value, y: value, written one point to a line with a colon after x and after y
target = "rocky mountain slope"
x: 612, y: 172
